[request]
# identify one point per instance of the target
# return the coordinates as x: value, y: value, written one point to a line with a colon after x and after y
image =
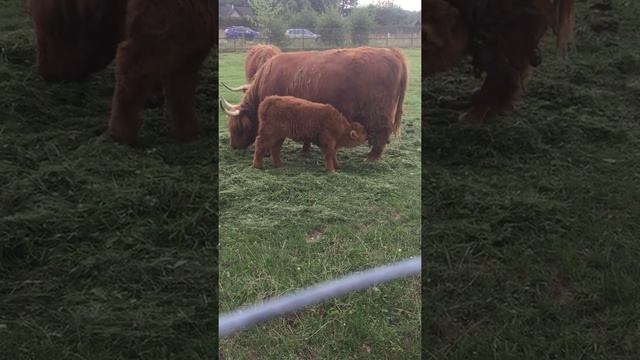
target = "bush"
x: 331, y: 27
x: 360, y: 24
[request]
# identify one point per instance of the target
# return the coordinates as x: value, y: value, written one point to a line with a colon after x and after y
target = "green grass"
x: 283, y: 229
x: 106, y: 252
x: 532, y: 222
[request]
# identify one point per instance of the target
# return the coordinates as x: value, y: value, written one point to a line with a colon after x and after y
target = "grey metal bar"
x: 241, y: 319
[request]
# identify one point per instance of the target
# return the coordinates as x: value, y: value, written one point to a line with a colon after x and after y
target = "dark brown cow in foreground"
x: 165, y: 42
x: 503, y: 38
x: 282, y: 117
x: 367, y: 85
x: 256, y: 57
x: 76, y: 38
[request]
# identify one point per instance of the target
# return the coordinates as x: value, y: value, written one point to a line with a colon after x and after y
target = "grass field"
x: 106, y: 252
x: 532, y: 232
x: 283, y: 229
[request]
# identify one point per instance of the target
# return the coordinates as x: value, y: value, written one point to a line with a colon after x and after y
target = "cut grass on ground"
x: 282, y: 229
x: 532, y: 232
x: 106, y: 252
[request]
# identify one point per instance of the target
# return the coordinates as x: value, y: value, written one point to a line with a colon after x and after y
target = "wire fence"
x: 399, y: 37
x: 244, y: 318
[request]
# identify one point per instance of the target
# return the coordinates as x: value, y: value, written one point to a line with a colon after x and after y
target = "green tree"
x: 269, y: 18
x: 331, y: 26
x: 360, y: 24
x: 306, y: 20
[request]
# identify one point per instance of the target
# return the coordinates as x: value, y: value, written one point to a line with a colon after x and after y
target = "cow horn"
x: 243, y: 87
x: 225, y: 105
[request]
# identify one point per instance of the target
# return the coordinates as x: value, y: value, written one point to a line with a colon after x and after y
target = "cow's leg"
x: 378, y: 139
x: 306, y: 147
x: 180, y: 89
x: 259, y: 153
x: 329, y: 155
x: 336, y: 164
x: 275, y: 153
x: 131, y: 88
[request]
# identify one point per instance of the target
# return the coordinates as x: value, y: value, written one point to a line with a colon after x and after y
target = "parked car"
x: 300, y: 34
x: 240, y: 32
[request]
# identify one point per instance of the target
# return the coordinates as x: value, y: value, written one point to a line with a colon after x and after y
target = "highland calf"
x: 282, y: 117
x: 165, y: 42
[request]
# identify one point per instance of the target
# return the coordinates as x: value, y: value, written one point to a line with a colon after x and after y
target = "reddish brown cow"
x: 502, y: 36
x: 165, y: 42
x: 365, y: 84
x: 256, y: 57
x: 282, y: 117
x: 76, y: 38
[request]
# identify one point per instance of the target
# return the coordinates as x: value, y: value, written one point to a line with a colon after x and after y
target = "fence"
x: 229, y: 323
x: 400, y: 37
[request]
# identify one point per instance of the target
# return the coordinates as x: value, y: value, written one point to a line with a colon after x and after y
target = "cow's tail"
x: 563, y: 19
x: 402, y: 91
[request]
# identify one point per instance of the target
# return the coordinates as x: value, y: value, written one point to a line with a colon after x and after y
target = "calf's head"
x: 241, y: 129
x: 354, y: 136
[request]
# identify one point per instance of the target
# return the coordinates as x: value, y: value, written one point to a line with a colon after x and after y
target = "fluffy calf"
x: 165, y: 42
x: 282, y: 117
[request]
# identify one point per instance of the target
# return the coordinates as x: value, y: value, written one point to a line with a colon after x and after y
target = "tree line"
x: 334, y: 20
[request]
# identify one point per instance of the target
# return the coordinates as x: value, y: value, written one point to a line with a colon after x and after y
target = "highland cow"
x: 365, y: 84
x: 282, y: 117
x: 76, y: 38
x: 256, y: 57
x: 503, y: 38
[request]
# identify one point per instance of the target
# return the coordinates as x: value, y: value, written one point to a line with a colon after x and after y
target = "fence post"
x: 388, y: 35
x: 302, y: 41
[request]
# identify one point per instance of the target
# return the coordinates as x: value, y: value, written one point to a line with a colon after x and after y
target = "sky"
x: 413, y: 5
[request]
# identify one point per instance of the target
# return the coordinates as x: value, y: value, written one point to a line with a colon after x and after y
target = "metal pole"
x: 237, y: 320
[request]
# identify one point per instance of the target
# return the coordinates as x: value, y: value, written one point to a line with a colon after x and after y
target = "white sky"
x: 413, y: 5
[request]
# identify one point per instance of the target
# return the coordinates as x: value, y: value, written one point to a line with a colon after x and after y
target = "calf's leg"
x: 259, y: 152
x: 132, y: 85
x: 275, y: 154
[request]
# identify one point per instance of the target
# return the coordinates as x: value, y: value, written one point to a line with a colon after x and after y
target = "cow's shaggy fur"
x: 502, y: 36
x: 165, y: 42
x: 282, y: 117
x: 76, y: 38
x: 365, y: 84
x: 256, y: 57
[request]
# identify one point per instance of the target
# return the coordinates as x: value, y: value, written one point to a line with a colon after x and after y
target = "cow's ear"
x: 353, y: 134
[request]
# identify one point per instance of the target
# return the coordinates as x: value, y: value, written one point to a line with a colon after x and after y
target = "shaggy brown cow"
x: 283, y: 117
x: 365, y: 84
x: 165, y: 42
x: 76, y: 38
x: 256, y: 57
x: 502, y: 36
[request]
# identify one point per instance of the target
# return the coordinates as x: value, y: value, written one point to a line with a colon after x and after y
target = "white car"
x: 300, y: 34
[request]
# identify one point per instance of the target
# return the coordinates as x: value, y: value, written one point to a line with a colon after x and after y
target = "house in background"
x: 235, y: 12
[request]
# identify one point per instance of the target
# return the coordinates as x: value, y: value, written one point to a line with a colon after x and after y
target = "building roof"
x: 228, y: 10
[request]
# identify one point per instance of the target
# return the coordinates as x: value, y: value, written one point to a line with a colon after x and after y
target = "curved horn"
x: 243, y: 87
x: 224, y: 105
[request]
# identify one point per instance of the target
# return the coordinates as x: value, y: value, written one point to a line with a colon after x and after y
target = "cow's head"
x: 354, y: 136
x: 241, y: 129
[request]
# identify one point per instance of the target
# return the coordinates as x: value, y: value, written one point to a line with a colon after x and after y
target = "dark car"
x: 240, y: 32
